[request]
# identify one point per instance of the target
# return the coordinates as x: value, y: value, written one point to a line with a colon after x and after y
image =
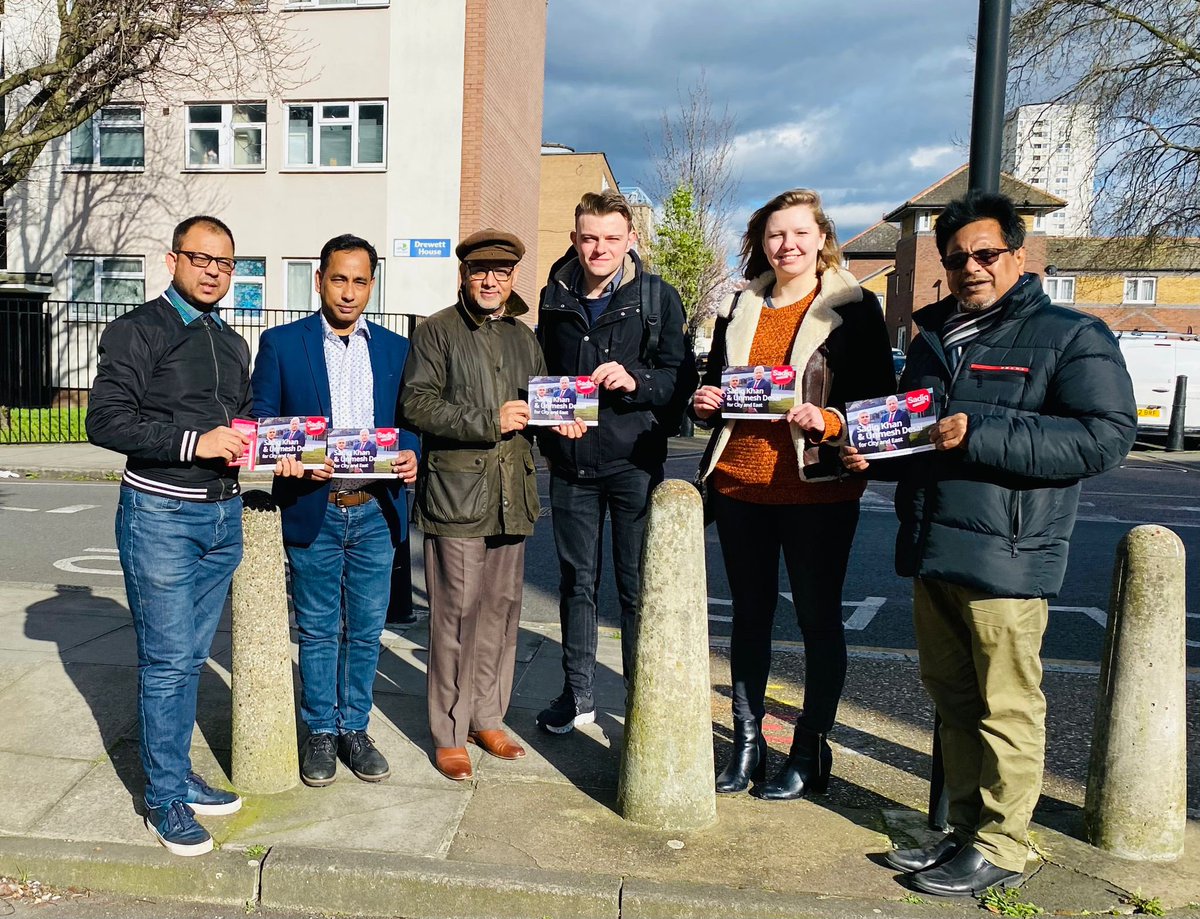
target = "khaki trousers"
x: 980, y: 661
x: 475, y: 589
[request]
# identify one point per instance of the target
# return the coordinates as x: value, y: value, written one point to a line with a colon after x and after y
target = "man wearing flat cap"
x: 466, y: 391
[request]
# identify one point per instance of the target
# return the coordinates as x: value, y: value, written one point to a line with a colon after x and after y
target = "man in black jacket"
x: 598, y: 312
x: 1034, y: 398
x: 172, y: 376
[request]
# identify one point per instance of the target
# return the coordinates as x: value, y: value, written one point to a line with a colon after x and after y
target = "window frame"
x: 1140, y: 280
x: 95, y: 122
x: 226, y: 130
x: 99, y: 308
x: 318, y: 119
x: 1057, y: 282
x: 228, y: 303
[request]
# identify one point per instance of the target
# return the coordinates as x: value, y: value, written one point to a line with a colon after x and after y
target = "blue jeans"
x: 178, y: 557
x: 579, y: 507
x: 340, y: 588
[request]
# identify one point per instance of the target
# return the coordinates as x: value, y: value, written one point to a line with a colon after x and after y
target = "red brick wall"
x: 861, y: 267
x: 1147, y: 318
x: 505, y: 46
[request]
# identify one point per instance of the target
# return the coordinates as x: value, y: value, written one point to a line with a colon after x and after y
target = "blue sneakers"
x: 202, y: 798
x: 176, y: 828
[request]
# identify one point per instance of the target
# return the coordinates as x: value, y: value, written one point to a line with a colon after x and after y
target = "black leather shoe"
x: 357, y: 751
x: 748, y: 761
x: 318, y: 763
x: 910, y: 860
x: 968, y: 874
x: 805, y: 772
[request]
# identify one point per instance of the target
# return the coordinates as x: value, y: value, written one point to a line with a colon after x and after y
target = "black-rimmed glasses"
x: 478, y: 272
x: 957, y: 261
x: 203, y: 260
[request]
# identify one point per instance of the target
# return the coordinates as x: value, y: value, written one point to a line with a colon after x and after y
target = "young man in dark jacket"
x: 596, y: 319
x: 1034, y: 397
x: 172, y: 376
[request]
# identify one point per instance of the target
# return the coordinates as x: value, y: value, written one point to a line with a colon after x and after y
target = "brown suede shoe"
x: 453, y: 762
x: 497, y: 743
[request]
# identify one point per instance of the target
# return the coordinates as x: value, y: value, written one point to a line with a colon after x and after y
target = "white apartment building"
x: 388, y: 129
x: 1053, y: 146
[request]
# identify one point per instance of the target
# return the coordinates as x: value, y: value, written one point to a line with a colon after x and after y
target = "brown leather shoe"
x: 453, y: 762
x: 497, y: 743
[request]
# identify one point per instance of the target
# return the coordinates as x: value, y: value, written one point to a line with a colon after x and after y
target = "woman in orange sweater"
x: 777, y: 486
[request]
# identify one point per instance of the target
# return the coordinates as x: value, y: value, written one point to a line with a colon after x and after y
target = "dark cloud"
x: 868, y: 101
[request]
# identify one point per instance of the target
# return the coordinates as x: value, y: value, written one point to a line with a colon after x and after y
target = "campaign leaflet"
x: 759, y: 393
x: 561, y: 400
x: 892, y: 425
x: 363, y: 453
x: 301, y: 437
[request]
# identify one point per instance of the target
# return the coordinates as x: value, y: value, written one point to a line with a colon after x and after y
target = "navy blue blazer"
x: 290, y: 378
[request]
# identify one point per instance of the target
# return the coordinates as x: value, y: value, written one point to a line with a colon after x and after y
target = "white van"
x: 1154, y: 360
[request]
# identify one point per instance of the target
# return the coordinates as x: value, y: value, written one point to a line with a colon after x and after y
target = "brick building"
x: 871, y: 257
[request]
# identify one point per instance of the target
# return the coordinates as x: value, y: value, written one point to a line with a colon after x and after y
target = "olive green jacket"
x: 461, y: 369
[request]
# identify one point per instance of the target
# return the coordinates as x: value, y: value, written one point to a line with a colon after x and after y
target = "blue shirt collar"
x: 612, y: 285
x: 187, y: 312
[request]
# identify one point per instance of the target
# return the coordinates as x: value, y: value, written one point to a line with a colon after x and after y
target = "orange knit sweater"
x: 759, y: 463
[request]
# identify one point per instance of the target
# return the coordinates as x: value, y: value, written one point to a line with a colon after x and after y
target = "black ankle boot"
x: 748, y: 761
x: 805, y: 772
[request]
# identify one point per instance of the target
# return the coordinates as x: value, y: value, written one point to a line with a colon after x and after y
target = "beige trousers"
x: 980, y: 661
x: 475, y: 589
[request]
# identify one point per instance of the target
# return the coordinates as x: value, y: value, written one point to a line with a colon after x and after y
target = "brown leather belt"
x: 350, y: 498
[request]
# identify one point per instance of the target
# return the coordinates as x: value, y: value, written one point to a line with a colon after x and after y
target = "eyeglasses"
x: 203, y: 260
x: 477, y: 273
x: 957, y: 261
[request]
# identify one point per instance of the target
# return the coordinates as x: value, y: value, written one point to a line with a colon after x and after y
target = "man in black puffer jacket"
x: 1034, y: 397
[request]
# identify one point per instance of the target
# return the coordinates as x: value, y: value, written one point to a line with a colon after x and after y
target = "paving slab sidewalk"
x: 537, y: 837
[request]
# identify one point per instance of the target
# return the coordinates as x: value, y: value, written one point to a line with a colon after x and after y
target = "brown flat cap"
x: 490, y: 245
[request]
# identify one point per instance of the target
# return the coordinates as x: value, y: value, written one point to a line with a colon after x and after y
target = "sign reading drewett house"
x: 420, y: 248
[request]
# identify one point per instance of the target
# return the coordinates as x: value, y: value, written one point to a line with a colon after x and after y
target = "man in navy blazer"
x: 339, y: 533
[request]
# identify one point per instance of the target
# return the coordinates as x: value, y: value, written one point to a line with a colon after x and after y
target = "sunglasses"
x: 957, y: 261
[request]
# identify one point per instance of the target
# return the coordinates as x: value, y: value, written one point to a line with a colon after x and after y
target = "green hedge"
x: 44, y: 426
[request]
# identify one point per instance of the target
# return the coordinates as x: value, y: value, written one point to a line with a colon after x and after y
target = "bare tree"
x: 695, y: 151
x: 70, y: 57
x: 1135, y: 64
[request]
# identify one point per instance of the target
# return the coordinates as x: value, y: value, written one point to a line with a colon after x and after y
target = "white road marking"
x: 72, y: 509
x: 864, y: 610
x: 23, y: 510
x: 107, y: 556
x: 1098, y: 616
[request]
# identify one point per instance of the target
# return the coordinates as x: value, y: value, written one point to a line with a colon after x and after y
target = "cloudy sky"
x: 867, y: 101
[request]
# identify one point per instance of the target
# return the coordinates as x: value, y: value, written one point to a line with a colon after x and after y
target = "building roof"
x: 1113, y: 253
x: 878, y: 239
x: 955, y: 185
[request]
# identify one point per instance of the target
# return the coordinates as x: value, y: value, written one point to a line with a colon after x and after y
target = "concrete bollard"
x: 667, y: 762
x: 1136, y: 804
x: 265, y: 758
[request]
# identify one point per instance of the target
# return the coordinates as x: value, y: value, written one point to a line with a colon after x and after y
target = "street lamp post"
x: 987, y: 109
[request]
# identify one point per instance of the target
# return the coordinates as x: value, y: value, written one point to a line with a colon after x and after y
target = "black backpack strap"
x: 652, y: 314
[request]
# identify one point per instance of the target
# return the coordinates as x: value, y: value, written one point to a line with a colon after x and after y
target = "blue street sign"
x: 421, y: 248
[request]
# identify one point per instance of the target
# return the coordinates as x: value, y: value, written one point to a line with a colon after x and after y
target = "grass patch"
x: 1146, y: 906
x: 1008, y: 903
x: 44, y: 426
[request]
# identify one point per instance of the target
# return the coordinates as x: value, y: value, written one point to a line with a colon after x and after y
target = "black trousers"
x: 815, y: 541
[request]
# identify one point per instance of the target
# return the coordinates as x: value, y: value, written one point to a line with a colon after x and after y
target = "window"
x: 301, y: 288
x: 245, y: 297
x: 1060, y: 289
x: 924, y: 222
x: 1039, y: 221
x: 1140, y: 290
x: 226, y: 136
x: 1038, y: 146
x: 337, y: 135
x: 113, y: 138
x: 98, y: 282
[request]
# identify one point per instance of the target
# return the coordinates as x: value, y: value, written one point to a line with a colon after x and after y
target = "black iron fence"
x: 48, y: 354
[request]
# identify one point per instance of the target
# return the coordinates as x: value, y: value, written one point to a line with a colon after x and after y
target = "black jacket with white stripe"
x: 160, y: 384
